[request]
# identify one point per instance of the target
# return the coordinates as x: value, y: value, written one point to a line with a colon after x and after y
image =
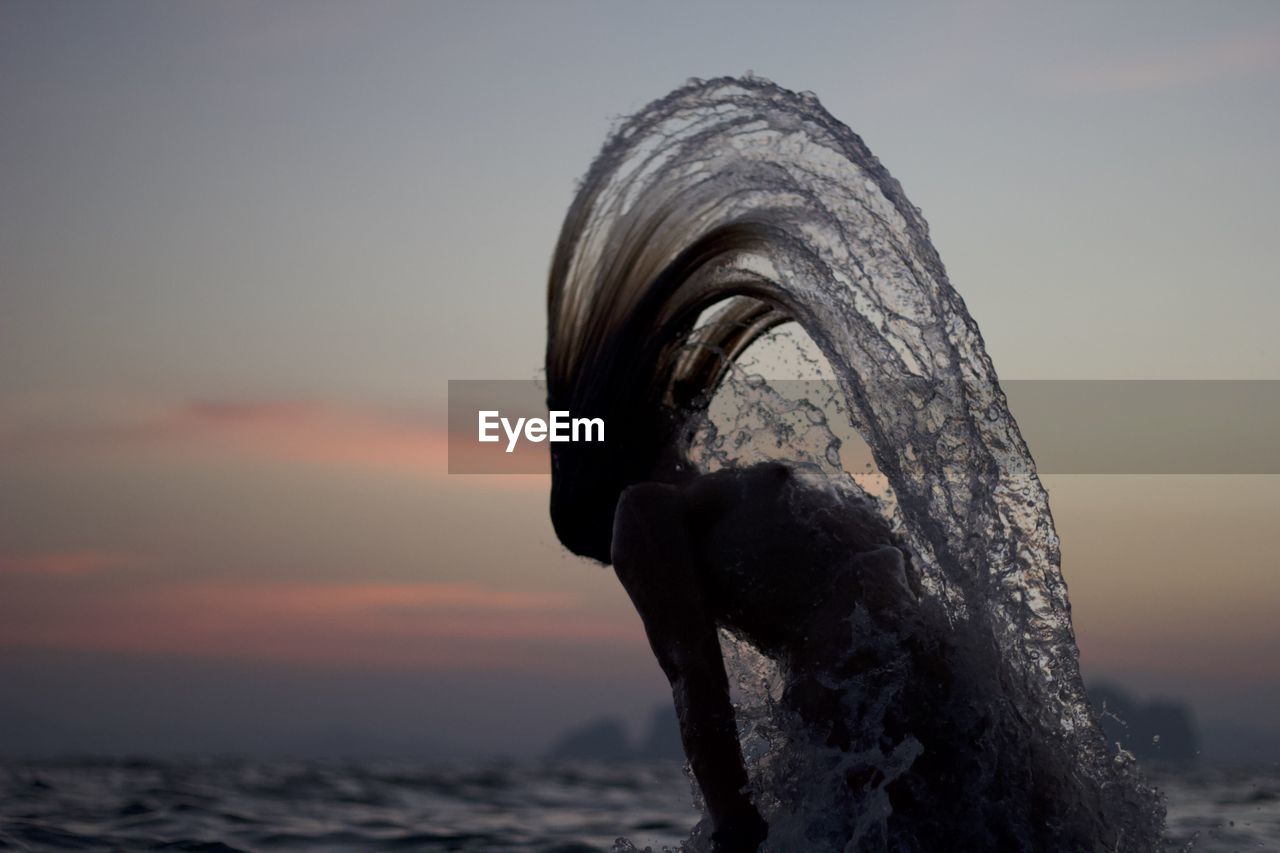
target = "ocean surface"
x: 578, y: 807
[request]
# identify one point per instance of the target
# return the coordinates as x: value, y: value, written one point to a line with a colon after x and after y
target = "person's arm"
x: 654, y: 561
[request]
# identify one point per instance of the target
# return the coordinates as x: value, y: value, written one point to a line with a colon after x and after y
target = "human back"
x: 771, y: 541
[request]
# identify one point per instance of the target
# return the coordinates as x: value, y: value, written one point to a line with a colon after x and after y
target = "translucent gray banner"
x: 1072, y: 426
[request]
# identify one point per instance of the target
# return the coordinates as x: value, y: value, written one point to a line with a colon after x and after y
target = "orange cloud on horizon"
x: 297, y: 431
x: 432, y: 625
x: 62, y: 563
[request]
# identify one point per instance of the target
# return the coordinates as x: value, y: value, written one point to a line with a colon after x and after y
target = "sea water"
x: 577, y: 807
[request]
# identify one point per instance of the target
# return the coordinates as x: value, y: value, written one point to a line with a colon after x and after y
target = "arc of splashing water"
x: 739, y: 194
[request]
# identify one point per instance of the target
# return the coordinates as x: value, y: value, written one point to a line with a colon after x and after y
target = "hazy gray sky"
x: 244, y: 245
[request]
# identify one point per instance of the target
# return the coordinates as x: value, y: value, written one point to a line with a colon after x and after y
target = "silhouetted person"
x: 777, y: 557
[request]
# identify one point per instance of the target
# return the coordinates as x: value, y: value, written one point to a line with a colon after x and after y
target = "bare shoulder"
x: 770, y: 495
x: 777, y: 495
x: 648, y: 497
x: 737, y: 484
x: 704, y: 500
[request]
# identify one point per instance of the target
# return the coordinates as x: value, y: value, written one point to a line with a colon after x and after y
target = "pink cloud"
x: 310, y: 432
x: 1235, y: 56
x: 61, y: 563
x: 296, y: 431
x: 432, y: 625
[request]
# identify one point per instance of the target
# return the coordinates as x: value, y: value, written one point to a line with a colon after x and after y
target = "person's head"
x: 626, y: 338
x: 587, y: 478
x: 584, y: 495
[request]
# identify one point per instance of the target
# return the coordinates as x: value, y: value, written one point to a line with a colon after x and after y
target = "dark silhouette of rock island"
x: 606, y: 739
x: 663, y: 737
x: 1238, y: 744
x: 1160, y: 729
x: 603, y: 740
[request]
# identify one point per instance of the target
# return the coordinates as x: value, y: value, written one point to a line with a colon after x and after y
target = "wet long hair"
x: 655, y: 288
x: 624, y: 344
x: 652, y: 294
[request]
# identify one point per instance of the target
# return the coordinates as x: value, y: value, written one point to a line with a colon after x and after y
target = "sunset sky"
x: 243, y: 247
